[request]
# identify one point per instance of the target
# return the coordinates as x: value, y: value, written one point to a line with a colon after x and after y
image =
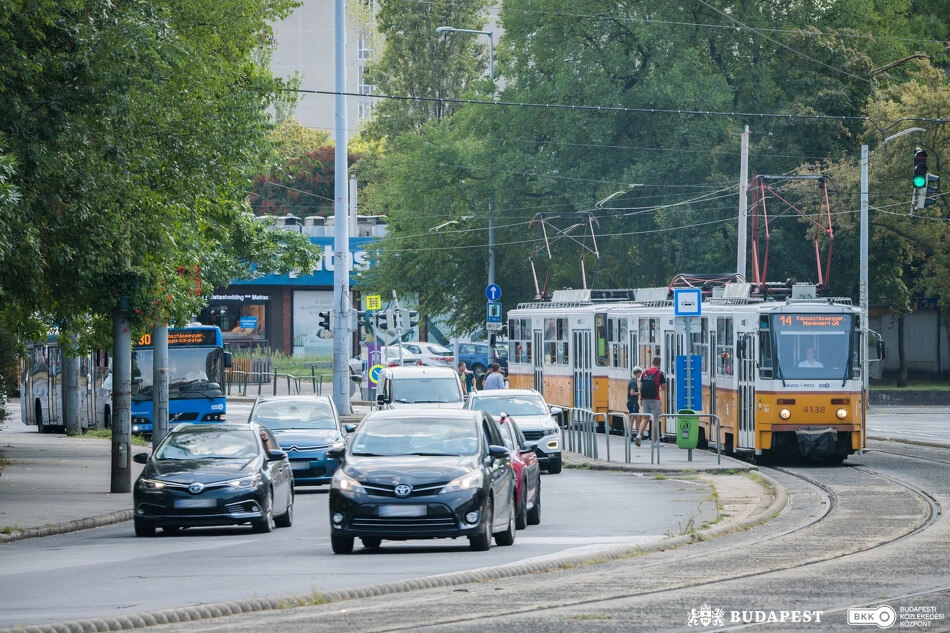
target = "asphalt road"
x: 108, y: 571
x: 915, y: 424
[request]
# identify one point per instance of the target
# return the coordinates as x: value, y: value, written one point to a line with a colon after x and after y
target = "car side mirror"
x: 140, y: 458
x: 556, y: 410
x: 498, y: 452
x: 382, y: 399
x: 336, y: 453
x: 274, y: 455
x: 349, y: 427
x: 227, y: 360
x: 529, y: 447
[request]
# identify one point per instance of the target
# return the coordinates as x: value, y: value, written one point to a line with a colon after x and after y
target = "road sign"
x: 374, y: 302
x: 493, y: 312
x: 689, y: 384
x: 374, y: 373
x: 493, y: 292
x: 687, y: 302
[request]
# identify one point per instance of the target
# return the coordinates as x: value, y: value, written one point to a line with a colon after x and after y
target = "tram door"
x: 581, y: 364
x: 537, y: 360
x: 674, y: 346
x: 745, y: 372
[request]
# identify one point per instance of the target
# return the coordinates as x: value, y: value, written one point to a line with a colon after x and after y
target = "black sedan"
x: 423, y: 473
x: 214, y: 474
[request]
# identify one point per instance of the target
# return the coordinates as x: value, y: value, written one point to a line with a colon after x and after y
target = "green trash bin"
x: 687, y: 429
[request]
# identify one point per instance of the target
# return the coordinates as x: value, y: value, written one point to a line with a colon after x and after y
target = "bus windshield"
x: 190, y: 369
x: 813, y: 346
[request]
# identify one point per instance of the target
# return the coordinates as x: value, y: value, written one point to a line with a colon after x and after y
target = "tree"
x: 304, y: 185
x: 136, y: 127
x: 292, y: 140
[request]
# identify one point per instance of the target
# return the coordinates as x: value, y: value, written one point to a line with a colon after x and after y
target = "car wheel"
x: 521, y: 517
x: 478, y: 369
x: 341, y: 544
x: 265, y: 523
x: 508, y: 536
x: 555, y: 465
x: 481, y: 542
x: 534, y: 514
x: 371, y: 542
x: 286, y: 519
x: 144, y: 528
x: 171, y: 530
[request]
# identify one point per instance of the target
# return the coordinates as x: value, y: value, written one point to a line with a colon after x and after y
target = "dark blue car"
x: 479, y: 356
x: 306, y: 428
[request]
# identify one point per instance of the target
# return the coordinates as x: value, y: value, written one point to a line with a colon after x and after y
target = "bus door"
x: 674, y: 345
x: 537, y: 360
x: 745, y: 374
x: 581, y: 364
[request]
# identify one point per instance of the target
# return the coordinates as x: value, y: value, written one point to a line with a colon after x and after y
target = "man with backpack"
x: 652, y: 388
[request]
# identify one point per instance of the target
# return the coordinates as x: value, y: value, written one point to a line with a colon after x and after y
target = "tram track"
x: 831, y: 503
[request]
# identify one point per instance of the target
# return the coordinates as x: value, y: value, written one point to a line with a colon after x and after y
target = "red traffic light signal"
x: 920, y: 168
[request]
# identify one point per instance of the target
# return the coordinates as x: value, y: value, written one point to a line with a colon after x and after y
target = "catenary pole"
x: 342, y: 337
x: 159, y: 384
x: 863, y: 289
x: 121, y: 397
x: 743, y: 203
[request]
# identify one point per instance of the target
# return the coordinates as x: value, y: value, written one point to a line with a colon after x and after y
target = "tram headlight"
x: 785, y: 414
x: 841, y: 413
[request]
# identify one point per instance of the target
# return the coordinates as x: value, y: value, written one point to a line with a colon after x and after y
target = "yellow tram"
x: 782, y: 375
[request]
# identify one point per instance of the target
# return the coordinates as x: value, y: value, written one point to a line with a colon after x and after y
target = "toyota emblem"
x: 403, y: 490
x: 196, y: 487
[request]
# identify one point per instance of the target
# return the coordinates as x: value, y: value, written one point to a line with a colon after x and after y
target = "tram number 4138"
x: 813, y: 409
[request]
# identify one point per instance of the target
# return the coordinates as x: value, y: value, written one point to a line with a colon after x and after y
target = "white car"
x: 420, y: 387
x: 429, y: 353
x: 533, y: 415
x: 391, y: 357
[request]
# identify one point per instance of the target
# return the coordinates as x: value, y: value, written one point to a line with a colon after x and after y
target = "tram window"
x: 555, y: 342
x: 765, y: 355
x: 617, y: 336
x: 519, y: 341
x: 600, y: 335
x: 724, y: 343
x: 700, y: 342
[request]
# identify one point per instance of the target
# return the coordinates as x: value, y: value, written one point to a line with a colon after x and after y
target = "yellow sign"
x: 374, y: 302
x: 374, y: 373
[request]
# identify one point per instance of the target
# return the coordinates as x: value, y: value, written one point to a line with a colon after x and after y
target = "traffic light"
x: 920, y: 168
x: 362, y: 320
x: 323, y: 320
x: 927, y: 196
x: 412, y: 319
x: 385, y: 320
x: 380, y: 320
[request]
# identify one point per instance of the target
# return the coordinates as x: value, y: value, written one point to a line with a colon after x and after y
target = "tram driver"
x: 810, y: 360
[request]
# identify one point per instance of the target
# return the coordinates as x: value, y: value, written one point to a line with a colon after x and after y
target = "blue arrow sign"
x: 493, y: 292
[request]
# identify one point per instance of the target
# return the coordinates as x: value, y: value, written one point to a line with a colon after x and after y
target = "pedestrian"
x: 651, y: 391
x: 468, y: 377
x: 494, y: 379
x: 633, y: 401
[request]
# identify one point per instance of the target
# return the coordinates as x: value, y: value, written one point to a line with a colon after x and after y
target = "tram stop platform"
x: 616, y: 452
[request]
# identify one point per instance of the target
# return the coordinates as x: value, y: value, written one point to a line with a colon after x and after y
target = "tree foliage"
x: 135, y: 127
x: 302, y: 186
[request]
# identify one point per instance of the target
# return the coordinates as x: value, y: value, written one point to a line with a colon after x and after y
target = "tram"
x: 783, y: 374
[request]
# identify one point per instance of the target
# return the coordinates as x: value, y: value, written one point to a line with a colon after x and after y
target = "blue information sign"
x: 249, y: 322
x: 687, y: 302
x: 493, y: 292
x: 686, y: 382
x: 493, y: 312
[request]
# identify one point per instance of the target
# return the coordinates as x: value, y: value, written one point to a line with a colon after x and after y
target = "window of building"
x: 364, y: 87
x: 363, y: 50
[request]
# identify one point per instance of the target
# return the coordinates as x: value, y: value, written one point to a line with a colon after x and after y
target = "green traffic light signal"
x: 920, y: 181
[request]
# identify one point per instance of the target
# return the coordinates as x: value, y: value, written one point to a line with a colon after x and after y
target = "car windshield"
x: 416, y: 390
x: 414, y: 436
x: 512, y: 405
x: 438, y: 350
x: 294, y: 414
x: 208, y: 443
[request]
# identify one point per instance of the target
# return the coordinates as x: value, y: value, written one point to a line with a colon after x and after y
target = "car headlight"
x: 551, y: 430
x: 151, y: 484
x: 465, y: 482
x: 337, y: 445
x: 343, y: 482
x: 246, y: 482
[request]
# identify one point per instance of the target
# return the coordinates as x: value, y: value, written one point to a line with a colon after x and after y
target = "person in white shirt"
x: 495, y: 379
x: 810, y: 359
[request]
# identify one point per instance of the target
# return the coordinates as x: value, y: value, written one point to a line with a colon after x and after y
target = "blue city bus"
x: 196, y: 363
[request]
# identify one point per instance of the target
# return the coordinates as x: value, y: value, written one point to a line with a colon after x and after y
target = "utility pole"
x: 863, y: 289
x: 342, y: 335
x: 121, y: 397
x: 743, y: 203
x: 159, y: 384
x: 71, y: 418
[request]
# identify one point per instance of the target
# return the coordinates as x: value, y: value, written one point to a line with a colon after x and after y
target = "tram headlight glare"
x: 785, y: 414
x: 841, y: 413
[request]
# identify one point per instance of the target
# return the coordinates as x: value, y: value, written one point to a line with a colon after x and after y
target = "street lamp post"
x: 491, y: 200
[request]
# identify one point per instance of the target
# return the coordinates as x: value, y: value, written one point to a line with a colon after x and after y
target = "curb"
x: 223, y: 609
x: 69, y: 526
x: 574, y: 462
x: 901, y: 440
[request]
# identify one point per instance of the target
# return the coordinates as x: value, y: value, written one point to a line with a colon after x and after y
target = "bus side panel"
x: 559, y: 390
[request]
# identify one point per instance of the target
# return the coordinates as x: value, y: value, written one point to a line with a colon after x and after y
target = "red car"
x: 527, y: 470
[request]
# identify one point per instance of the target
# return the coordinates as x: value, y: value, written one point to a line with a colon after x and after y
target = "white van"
x: 427, y: 387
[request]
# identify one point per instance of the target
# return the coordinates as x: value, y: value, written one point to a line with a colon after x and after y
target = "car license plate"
x: 195, y: 503
x: 403, y: 511
x: 300, y: 465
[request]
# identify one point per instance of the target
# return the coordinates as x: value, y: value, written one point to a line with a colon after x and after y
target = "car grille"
x: 413, y: 525
x: 384, y: 490
x: 532, y: 435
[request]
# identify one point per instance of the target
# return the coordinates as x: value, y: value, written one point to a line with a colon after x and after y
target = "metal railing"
x: 581, y: 431
x: 294, y: 383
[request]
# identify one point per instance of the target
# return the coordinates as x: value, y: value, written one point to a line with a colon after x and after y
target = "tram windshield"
x: 813, y: 346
